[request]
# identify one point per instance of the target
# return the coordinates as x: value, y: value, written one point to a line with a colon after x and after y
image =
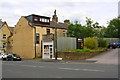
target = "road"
x: 39, y: 69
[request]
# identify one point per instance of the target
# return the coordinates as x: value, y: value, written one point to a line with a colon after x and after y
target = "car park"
x: 13, y: 57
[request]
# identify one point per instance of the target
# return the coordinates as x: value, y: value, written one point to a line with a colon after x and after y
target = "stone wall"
x: 76, y: 55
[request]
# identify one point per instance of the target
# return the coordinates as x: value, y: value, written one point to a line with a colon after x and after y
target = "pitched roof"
x: 58, y: 25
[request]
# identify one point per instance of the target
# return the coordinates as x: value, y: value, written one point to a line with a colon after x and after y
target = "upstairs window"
x: 40, y: 19
x: 47, y: 20
x: 43, y: 20
x: 37, y: 38
x: 4, y: 36
x: 35, y: 19
x: 4, y: 45
x: 64, y: 33
x: 48, y: 31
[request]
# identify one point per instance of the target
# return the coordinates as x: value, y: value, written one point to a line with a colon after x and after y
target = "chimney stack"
x: 67, y: 21
x: 55, y: 18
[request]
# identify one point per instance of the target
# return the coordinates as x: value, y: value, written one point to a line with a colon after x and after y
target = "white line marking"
x: 41, y: 66
x: 82, y: 69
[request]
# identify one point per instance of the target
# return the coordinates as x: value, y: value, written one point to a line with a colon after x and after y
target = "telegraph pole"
x: 55, y: 35
x: 55, y: 43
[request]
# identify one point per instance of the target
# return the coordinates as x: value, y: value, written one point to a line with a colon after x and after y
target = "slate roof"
x: 58, y: 25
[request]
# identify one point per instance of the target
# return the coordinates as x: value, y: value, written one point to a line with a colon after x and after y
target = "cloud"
x: 98, y: 10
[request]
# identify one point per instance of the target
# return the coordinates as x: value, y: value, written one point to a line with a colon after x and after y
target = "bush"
x: 90, y: 43
x: 102, y: 43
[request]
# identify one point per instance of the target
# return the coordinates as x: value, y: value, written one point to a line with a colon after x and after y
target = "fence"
x: 66, y: 43
x: 112, y: 40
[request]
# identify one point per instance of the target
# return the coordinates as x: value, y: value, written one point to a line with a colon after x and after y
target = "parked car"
x: 13, y: 57
x: 118, y: 44
x: 112, y: 45
x: 3, y: 56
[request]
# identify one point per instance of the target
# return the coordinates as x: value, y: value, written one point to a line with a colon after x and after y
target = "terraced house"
x: 6, y: 39
x: 32, y: 30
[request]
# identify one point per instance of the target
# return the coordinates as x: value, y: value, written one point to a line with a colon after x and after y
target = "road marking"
x: 32, y: 66
x: 58, y: 77
x: 76, y: 69
x: 41, y: 66
x: 28, y: 65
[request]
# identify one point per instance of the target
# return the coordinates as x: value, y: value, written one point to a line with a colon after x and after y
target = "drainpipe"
x: 35, y: 40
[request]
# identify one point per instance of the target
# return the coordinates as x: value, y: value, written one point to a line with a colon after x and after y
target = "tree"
x: 113, y: 28
x: 78, y: 30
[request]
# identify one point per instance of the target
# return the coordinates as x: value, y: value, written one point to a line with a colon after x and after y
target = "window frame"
x: 4, y: 36
x: 48, y: 31
x: 37, y: 38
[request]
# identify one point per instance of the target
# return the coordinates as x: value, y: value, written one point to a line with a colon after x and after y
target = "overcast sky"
x: 98, y: 10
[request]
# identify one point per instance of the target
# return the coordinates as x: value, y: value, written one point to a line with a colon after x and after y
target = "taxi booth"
x: 48, y: 50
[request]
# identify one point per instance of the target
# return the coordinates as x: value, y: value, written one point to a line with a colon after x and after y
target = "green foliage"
x: 82, y: 31
x: 82, y: 50
x: 90, y: 43
x: 102, y: 43
x: 91, y: 29
x: 113, y: 28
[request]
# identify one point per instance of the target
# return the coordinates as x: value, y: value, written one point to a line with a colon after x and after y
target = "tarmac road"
x: 109, y: 57
x: 105, y: 67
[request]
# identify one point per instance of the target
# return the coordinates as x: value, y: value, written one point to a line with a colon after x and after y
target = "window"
x: 64, y: 34
x: 4, y: 45
x: 40, y: 19
x: 43, y: 20
x: 48, y: 20
x: 35, y: 19
x: 48, y: 31
x: 37, y: 38
x: 4, y: 36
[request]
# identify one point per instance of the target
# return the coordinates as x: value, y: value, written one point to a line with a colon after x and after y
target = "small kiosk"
x: 47, y: 49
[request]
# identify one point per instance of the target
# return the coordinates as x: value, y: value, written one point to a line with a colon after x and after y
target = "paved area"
x: 109, y: 57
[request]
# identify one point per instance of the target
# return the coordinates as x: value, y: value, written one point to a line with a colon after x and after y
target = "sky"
x: 101, y: 11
